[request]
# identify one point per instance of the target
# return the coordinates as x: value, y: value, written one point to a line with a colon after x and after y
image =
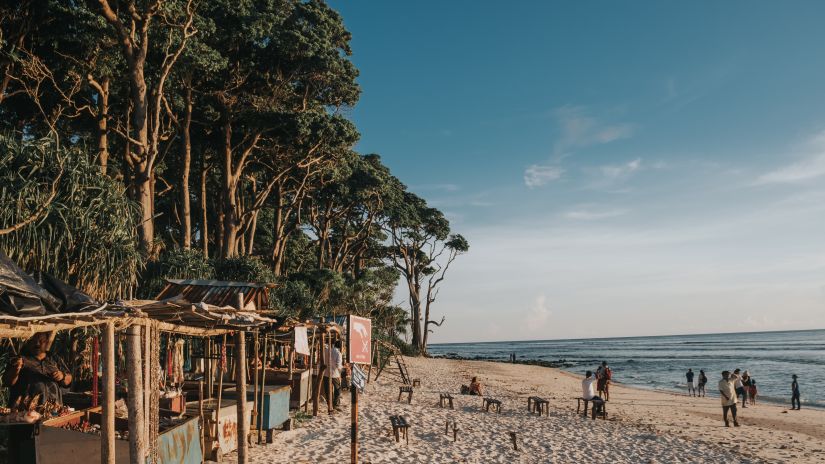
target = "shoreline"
x: 643, y: 425
x: 563, y: 365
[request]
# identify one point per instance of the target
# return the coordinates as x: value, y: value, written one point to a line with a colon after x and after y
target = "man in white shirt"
x: 727, y: 392
x: 589, y: 393
x: 334, y: 363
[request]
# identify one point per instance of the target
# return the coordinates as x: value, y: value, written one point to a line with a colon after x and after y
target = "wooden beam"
x: 243, y: 422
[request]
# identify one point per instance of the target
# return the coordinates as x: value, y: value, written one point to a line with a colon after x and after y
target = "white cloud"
x: 538, y: 314
x: 811, y: 167
x: 537, y: 175
x: 801, y: 171
x: 579, y: 129
x: 621, y: 171
x: 594, y: 215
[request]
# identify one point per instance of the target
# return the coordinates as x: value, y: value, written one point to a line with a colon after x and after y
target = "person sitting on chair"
x: 589, y: 393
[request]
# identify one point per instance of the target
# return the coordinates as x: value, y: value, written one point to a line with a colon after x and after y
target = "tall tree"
x: 137, y: 25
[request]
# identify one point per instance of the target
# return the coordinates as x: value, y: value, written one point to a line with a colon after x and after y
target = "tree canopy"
x: 152, y: 139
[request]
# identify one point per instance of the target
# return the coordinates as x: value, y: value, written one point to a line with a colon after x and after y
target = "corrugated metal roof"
x: 218, y: 293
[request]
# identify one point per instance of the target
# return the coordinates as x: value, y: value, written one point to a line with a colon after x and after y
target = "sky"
x: 619, y: 168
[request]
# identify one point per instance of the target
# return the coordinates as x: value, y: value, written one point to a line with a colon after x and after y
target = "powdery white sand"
x: 643, y: 426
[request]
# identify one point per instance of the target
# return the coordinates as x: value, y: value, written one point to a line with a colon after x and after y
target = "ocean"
x: 661, y: 362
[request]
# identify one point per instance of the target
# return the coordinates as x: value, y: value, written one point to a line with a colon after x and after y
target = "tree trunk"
x: 186, y: 222
x: 102, y: 126
x: 230, y: 197
x: 204, y: 209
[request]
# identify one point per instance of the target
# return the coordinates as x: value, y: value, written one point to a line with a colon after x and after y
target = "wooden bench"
x: 405, y: 389
x: 446, y: 398
x: 400, y: 427
x: 455, y: 430
x: 603, y: 413
x: 488, y: 402
x: 539, y: 405
x: 416, y: 382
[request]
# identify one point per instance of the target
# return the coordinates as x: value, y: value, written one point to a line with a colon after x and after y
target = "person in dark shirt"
x: 36, y: 373
x: 691, y: 386
x: 703, y: 380
x: 795, y: 394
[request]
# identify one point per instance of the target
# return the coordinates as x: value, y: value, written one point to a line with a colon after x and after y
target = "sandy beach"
x: 643, y: 426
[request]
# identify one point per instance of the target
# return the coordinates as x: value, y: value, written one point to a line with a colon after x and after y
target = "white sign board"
x: 359, y: 378
x: 301, y: 343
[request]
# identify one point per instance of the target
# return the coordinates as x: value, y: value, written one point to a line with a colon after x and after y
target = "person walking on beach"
x: 737, y: 384
x: 603, y: 376
x: 703, y: 380
x: 752, y: 391
x: 690, y: 384
x: 727, y: 390
x: 746, y: 388
x: 795, y: 394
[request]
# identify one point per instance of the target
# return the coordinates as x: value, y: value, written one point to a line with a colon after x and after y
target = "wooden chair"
x: 491, y: 402
x: 400, y: 427
x: 446, y: 398
x: 539, y: 405
x: 405, y: 389
x: 602, y: 413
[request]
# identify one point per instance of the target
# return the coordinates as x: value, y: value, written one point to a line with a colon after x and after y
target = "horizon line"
x: 630, y: 336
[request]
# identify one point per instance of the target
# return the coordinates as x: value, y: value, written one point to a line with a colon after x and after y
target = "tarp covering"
x: 23, y: 295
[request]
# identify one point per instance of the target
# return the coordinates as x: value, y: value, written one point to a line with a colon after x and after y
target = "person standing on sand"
x: 795, y: 394
x: 703, y: 380
x: 737, y: 384
x: 334, y: 364
x: 603, y: 376
x: 727, y: 391
x: 690, y: 384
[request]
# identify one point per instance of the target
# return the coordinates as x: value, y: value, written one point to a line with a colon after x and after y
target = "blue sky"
x: 619, y: 168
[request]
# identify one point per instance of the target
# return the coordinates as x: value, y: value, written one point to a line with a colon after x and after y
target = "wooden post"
x: 147, y: 384
x: 256, y: 406
x: 354, y: 428
x: 137, y: 439
x: 203, y: 421
x: 240, y: 388
x: 263, y: 382
x: 329, y: 379
x: 107, y: 426
x: 320, y: 379
x: 220, y: 394
x: 95, y: 364
x: 209, y: 371
x: 310, y: 366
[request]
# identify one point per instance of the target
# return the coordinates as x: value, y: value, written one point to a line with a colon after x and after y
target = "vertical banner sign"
x: 359, y: 351
x: 359, y: 347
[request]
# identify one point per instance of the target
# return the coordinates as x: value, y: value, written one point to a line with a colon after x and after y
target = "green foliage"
x: 243, y: 269
x: 175, y: 264
x: 85, y: 234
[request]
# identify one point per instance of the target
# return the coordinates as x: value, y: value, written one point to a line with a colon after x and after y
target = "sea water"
x: 661, y: 362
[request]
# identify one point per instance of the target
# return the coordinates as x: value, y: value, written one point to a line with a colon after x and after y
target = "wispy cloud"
x: 586, y: 214
x: 809, y: 167
x: 580, y: 129
x: 537, y: 175
x: 538, y: 314
x: 621, y: 171
x: 436, y: 187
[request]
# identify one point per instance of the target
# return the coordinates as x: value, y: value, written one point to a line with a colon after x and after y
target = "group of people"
x: 744, y: 385
x: 596, y: 387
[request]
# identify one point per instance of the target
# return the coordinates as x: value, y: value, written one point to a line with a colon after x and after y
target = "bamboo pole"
x: 256, y: 406
x: 203, y: 421
x: 311, y: 362
x: 240, y: 388
x: 147, y: 385
x: 107, y: 426
x: 220, y: 394
x: 320, y: 379
x: 137, y: 439
x: 209, y: 369
x: 329, y: 379
x: 263, y: 382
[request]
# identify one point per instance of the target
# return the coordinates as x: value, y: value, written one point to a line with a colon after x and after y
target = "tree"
x: 419, y: 237
x: 136, y: 25
x: 85, y: 233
